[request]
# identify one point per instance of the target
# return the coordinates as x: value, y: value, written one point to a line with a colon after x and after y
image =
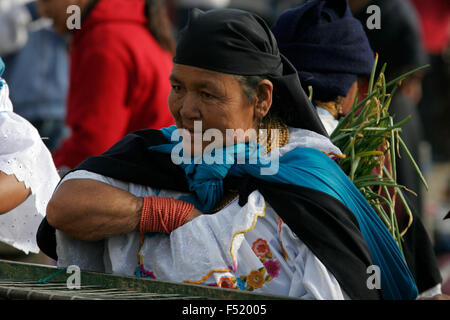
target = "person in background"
x: 330, y: 50
x: 120, y: 62
x: 410, y: 30
x: 27, y: 180
x: 37, y: 68
x: 434, y: 109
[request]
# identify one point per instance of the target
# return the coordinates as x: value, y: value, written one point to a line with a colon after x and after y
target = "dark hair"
x: 159, y: 24
x: 250, y: 85
x: 250, y: 88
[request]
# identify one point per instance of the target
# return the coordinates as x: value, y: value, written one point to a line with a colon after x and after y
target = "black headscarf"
x: 237, y: 42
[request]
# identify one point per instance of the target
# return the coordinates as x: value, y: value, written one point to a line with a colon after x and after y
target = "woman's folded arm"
x: 92, y: 210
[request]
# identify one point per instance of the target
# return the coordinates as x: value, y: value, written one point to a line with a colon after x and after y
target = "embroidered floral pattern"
x: 272, y: 267
x: 142, y: 273
x: 227, y: 282
x: 261, y: 248
x: 280, y: 225
x: 285, y: 255
x: 270, y: 270
x: 255, y: 279
x: 241, y: 283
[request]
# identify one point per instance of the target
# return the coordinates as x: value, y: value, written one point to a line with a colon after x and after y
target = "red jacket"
x: 119, y: 81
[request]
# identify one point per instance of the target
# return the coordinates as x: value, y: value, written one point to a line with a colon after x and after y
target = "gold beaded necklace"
x: 272, y: 134
x: 333, y: 107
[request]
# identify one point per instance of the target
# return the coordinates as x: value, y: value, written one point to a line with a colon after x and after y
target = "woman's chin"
x: 192, y: 148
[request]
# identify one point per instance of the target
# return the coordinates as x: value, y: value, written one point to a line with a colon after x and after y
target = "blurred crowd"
x: 82, y: 99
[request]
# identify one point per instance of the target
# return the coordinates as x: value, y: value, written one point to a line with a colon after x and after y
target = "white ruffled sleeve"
x: 23, y: 154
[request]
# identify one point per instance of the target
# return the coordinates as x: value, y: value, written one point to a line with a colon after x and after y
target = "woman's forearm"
x: 92, y: 210
x: 12, y: 192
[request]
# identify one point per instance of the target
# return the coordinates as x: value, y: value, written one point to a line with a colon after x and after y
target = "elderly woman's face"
x: 216, y: 99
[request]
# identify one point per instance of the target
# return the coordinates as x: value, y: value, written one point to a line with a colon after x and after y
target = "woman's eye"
x: 176, y: 88
x: 207, y: 95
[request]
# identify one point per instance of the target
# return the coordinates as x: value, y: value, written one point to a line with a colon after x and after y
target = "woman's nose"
x: 189, y: 107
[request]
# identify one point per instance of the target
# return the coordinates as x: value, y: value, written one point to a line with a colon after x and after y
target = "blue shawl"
x: 2, y: 68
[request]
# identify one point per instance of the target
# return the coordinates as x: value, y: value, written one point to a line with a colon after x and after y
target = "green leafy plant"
x: 371, y: 143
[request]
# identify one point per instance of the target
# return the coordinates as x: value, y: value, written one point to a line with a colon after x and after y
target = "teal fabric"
x: 2, y: 68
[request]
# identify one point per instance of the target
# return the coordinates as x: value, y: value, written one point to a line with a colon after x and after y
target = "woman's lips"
x: 193, y: 130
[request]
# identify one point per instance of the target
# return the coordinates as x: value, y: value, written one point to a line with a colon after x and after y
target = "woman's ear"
x: 264, y: 99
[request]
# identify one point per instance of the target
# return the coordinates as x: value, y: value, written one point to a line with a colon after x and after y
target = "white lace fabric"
x: 23, y: 154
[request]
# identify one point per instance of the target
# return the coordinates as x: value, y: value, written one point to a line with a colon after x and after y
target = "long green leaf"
x: 413, y: 162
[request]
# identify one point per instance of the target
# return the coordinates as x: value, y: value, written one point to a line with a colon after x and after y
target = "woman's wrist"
x: 139, y: 204
x: 163, y: 214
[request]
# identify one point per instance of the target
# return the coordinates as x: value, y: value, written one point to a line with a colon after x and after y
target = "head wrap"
x: 326, y: 44
x: 240, y: 43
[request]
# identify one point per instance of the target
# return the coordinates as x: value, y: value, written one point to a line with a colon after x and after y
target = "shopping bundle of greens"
x: 371, y: 142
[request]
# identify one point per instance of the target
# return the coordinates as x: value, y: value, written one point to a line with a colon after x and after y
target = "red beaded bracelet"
x: 162, y: 214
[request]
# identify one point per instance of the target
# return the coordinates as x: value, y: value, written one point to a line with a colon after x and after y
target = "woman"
x: 226, y: 223
x: 120, y: 62
x: 332, y: 54
x: 27, y: 177
x: 330, y: 50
